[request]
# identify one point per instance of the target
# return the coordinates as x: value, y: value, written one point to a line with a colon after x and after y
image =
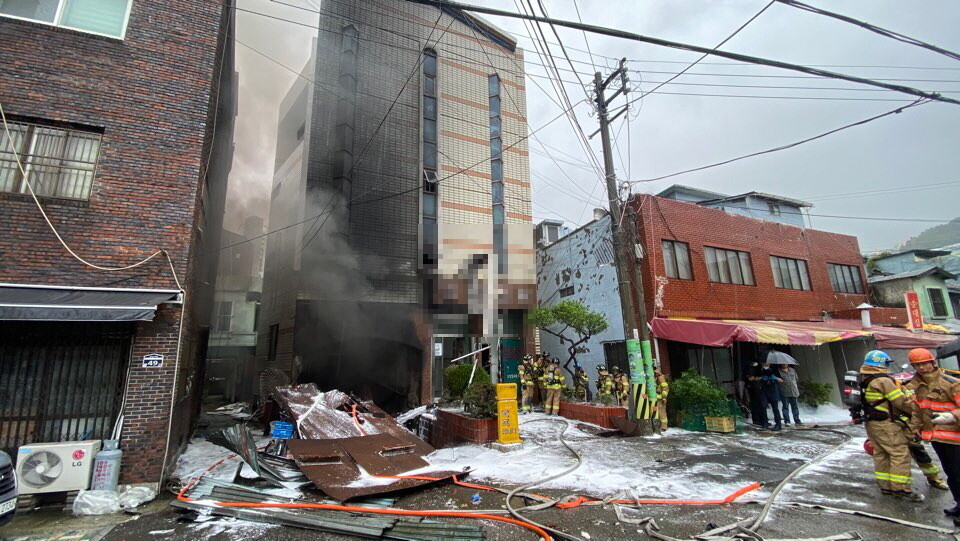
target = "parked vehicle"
x: 8, y: 489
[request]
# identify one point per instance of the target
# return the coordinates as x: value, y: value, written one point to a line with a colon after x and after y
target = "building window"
x: 497, y: 187
x: 223, y: 321
x: 937, y: 303
x: 845, y: 278
x: 272, y: 340
x: 104, y: 17
x: 774, y: 208
x: 728, y: 266
x: 430, y: 197
x: 566, y: 292
x: 676, y: 260
x: 59, y: 162
x: 790, y: 273
x: 553, y: 233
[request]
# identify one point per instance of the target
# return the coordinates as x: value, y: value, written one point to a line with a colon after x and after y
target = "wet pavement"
x: 693, y: 465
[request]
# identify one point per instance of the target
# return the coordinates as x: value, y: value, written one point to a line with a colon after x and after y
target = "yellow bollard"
x: 508, y: 425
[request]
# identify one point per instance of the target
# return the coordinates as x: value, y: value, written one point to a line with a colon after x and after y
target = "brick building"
x: 410, y: 146
x: 724, y: 284
x: 111, y: 109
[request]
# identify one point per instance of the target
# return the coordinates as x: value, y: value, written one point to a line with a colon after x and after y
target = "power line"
x: 767, y: 76
x: 686, y: 47
x: 883, y: 219
x: 791, y: 145
x: 873, y: 28
x: 705, y: 55
x: 530, y: 62
x: 355, y: 201
x: 882, y: 191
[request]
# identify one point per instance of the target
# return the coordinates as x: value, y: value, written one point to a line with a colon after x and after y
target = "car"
x: 8, y: 489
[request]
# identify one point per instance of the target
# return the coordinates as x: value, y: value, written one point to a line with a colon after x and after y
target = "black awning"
x: 61, y: 303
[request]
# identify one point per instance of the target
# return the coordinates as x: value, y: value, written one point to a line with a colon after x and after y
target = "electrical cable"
x: 873, y: 28
x: 727, y: 64
x: 33, y: 195
x: 705, y: 55
x: 686, y: 47
x: 790, y: 145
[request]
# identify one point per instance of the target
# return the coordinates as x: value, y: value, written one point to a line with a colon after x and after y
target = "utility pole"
x: 623, y: 240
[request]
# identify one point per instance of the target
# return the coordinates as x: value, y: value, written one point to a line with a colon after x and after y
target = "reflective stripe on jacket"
x: 883, y: 392
x: 936, y: 393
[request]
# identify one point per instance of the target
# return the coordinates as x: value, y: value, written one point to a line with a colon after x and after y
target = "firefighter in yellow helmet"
x: 663, y: 389
x: 555, y: 382
x: 605, y: 386
x: 888, y: 412
x: 528, y: 382
x: 937, y: 397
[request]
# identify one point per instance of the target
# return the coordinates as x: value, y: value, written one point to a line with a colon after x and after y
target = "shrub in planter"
x: 696, y: 395
x: 457, y: 376
x: 480, y: 399
x: 814, y: 394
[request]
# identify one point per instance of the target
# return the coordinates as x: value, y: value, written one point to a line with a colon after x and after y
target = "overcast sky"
x: 666, y: 132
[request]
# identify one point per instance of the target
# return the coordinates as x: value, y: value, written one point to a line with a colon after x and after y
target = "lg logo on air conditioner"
x: 77, y: 458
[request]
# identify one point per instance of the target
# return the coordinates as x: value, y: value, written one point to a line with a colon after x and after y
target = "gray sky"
x: 669, y: 133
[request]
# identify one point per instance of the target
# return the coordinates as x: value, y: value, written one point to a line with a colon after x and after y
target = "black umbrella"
x: 949, y: 349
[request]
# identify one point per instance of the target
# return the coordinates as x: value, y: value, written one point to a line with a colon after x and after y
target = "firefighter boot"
x: 953, y: 512
x: 912, y: 497
x: 936, y: 482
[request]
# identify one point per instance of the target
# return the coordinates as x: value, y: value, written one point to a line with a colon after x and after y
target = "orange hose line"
x: 346, y: 508
x: 585, y: 501
x: 356, y: 421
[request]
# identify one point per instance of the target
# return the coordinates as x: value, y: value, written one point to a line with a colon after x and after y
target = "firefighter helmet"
x: 601, y: 368
x: 877, y: 358
x: 920, y: 355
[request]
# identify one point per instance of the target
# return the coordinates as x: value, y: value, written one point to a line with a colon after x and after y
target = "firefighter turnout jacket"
x: 883, y: 397
x: 936, y: 393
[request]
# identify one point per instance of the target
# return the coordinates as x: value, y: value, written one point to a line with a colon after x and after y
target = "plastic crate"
x: 721, y: 424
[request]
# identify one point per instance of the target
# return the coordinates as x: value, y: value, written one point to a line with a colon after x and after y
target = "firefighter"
x: 887, y: 411
x: 663, y: 389
x: 605, y: 385
x: 538, y: 397
x: 528, y: 381
x: 937, y: 396
x: 555, y: 382
x: 622, y: 386
x: 581, y: 384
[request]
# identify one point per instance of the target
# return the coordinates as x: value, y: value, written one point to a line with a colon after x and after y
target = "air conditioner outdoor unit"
x: 55, y: 467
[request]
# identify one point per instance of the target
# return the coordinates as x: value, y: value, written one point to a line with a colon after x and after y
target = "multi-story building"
x: 721, y: 288
x: 406, y: 139
x: 111, y: 110
x: 232, y: 369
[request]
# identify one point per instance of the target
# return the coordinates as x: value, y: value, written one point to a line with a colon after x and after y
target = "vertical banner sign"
x: 510, y: 360
x: 914, y: 315
x: 508, y: 424
x: 638, y: 378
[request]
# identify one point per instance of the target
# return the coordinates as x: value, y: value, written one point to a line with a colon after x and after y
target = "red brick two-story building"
x: 111, y: 111
x: 726, y: 278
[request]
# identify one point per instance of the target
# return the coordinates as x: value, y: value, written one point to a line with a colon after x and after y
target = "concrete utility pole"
x: 623, y: 240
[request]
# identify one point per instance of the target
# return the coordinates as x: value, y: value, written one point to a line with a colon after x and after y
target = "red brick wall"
x: 698, y: 226
x: 152, y: 95
x: 144, y: 436
x: 878, y: 315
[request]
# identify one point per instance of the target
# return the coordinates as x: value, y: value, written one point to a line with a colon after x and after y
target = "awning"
x: 65, y: 303
x: 724, y: 332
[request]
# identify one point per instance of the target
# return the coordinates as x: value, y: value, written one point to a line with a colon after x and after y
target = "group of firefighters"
x: 899, y: 417
x: 543, y: 382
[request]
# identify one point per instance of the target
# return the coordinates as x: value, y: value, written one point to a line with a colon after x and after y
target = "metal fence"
x: 60, y: 381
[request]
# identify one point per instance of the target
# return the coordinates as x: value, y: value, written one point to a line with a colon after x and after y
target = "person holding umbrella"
x: 789, y: 388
